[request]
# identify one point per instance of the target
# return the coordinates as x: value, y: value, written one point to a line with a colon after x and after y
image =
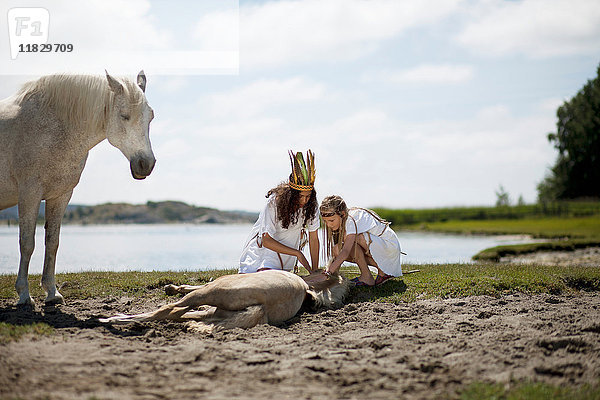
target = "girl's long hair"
x: 287, y: 204
x: 335, y: 204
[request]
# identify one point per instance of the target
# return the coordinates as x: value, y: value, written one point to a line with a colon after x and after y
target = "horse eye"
x: 125, y: 117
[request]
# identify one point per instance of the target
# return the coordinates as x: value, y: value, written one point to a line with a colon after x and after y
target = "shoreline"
x: 586, y: 257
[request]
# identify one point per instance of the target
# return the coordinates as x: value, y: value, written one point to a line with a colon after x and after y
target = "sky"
x: 406, y: 104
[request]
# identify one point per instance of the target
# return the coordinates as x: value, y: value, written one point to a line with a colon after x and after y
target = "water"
x: 198, y: 247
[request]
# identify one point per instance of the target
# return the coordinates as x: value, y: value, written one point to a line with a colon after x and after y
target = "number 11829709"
x: 46, y: 48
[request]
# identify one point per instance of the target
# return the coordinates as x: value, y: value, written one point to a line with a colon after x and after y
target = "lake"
x: 199, y: 247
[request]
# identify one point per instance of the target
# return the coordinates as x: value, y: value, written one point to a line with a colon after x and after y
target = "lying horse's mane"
x: 79, y: 101
x: 326, y: 293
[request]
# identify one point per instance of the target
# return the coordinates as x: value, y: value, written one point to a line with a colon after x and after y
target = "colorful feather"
x: 303, y: 170
x: 293, y: 161
x: 311, y: 167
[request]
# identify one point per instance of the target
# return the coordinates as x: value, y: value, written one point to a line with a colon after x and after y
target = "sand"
x: 427, y: 349
x: 589, y: 256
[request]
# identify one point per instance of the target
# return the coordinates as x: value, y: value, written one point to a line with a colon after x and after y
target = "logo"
x: 27, y: 27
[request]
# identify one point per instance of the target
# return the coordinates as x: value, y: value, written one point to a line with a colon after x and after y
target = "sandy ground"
x: 427, y: 349
x: 586, y: 257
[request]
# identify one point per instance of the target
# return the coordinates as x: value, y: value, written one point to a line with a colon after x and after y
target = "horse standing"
x: 246, y: 300
x: 46, y: 132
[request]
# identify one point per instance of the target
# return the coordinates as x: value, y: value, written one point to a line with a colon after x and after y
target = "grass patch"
x: 433, y: 281
x: 403, y: 217
x: 573, y: 228
x: 463, y: 280
x: 529, y: 391
x: 496, y: 253
x: 12, y: 333
x: 91, y: 284
x: 579, y: 232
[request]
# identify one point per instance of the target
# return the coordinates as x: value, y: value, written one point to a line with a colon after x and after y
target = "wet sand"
x: 427, y: 349
x: 589, y: 256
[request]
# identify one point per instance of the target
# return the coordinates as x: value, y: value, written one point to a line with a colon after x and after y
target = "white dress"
x: 384, y: 245
x: 255, y: 256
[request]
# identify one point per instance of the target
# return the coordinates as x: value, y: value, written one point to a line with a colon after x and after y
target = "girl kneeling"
x: 360, y: 236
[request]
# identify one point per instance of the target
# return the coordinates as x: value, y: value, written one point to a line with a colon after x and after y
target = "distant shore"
x: 164, y: 212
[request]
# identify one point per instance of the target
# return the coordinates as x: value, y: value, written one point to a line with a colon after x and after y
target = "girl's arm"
x: 278, y: 247
x: 313, y: 242
x: 343, y: 255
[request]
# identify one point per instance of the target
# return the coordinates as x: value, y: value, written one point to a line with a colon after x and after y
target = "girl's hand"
x: 302, y: 259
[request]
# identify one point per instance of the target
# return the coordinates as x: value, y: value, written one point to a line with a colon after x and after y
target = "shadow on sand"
x: 54, y: 316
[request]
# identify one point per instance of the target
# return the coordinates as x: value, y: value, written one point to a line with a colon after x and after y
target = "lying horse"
x: 46, y: 132
x: 246, y: 300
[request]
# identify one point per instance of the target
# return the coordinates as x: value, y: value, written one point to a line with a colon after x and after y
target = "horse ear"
x: 141, y: 81
x: 114, y: 84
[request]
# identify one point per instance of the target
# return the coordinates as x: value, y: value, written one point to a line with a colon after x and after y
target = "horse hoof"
x: 56, y: 299
x: 25, y: 301
x: 170, y: 290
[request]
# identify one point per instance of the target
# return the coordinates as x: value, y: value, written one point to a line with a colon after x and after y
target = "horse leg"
x: 173, y: 311
x: 205, y: 295
x: 29, y: 206
x: 55, y: 209
x: 182, y: 289
x: 246, y: 318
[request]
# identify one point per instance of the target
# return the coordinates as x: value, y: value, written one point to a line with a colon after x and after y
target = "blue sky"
x: 406, y: 104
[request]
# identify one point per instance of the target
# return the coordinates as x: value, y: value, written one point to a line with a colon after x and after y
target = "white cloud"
x: 551, y: 104
x: 425, y: 74
x: 265, y: 94
x: 367, y: 156
x: 537, y: 28
x: 218, y: 30
x: 166, y: 84
x: 291, y: 32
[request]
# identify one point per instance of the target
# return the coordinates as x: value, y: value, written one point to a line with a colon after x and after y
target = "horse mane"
x: 329, y: 293
x: 79, y: 101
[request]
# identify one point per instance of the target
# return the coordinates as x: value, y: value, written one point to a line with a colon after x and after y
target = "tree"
x: 576, y: 173
x: 502, y: 197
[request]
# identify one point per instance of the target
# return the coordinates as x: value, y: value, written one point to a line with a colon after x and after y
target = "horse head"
x: 128, y: 126
x: 325, y: 291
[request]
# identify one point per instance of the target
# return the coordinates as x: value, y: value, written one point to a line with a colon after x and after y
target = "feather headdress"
x: 303, y: 173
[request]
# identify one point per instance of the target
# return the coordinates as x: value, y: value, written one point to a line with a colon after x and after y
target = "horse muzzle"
x: 141, y: 166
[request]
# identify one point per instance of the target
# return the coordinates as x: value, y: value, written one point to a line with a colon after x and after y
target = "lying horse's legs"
x: 204, y: 295
x: 29, y: 206
x: 55, y: 209
x: 222, y: 319
x: 247, y: 318
x: 183, y: 289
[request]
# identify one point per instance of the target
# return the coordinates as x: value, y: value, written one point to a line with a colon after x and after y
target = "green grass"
x: 462, y: 280
x: 433, y: 281
x: 574, y: 232
x: 574, y: 228
x: 10, y: 333
x: 529, y: 391
x: 400, y: 218
x: 496, y: 253
x: 90, y: 284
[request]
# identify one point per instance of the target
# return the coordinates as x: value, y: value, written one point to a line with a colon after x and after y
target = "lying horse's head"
x: 325, y: 291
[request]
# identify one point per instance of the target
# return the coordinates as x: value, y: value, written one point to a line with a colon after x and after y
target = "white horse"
x: 46, y: 132
x: 246, y: 300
